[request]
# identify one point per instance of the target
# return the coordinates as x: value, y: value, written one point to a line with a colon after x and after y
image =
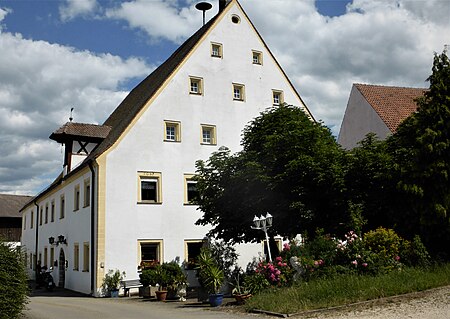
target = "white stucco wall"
x: 359, y: 120
x: 143, y: 148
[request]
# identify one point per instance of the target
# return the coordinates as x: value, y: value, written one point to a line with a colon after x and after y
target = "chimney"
x: 222, y: 4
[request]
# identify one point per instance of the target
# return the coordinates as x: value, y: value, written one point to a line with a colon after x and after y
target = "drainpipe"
x: 93, y: 268
x: 36, y: 241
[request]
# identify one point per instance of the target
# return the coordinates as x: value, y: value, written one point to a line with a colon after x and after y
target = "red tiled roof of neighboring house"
x: 393, y: 104
x: 10, y: 205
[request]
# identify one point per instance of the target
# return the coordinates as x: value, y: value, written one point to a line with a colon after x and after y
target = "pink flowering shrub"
x: 278, y: 273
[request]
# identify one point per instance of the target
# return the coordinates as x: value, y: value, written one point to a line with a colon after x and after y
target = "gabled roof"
x: 72, y: 130
x: 393, y: 104
x: 10, y: 205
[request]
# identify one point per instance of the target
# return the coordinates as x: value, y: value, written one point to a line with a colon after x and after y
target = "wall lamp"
x: 61, y: 240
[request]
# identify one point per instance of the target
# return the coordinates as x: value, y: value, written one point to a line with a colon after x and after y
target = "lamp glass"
x: 263, y: 221
x: 51, y: 240
x: 257, y: 222
x: 269, y: 219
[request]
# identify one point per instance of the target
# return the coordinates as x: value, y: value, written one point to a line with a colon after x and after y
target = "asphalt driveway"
x: 64, y: 304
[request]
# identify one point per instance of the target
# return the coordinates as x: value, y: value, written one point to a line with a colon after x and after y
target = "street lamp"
x: 263, y: 223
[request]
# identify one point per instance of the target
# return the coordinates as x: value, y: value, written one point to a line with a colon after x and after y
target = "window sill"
x: 211, y: 144
x: 238, y: 100
x: 85, y: 271
x: 75, y: 269
x: 216, y: 56
x: 172, y: 141
x: 86, y: 206
x: 148, y: 203
x: 194, y: 93
x: 76, y: 209
x: 190, y: 204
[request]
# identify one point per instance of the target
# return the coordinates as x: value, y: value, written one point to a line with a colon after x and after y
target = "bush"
x: 13, y: 282
x: 112, y: 281
x: 384, y: 247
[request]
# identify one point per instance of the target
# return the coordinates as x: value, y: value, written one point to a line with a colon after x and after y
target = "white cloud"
x: 174, y: 20
x: 74, y: 8
x: 39, y: 83
x: 378, y: 42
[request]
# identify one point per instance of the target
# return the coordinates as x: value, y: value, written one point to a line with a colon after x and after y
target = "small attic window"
x: 235, y: 19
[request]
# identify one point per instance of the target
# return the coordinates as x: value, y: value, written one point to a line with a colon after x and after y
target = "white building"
x: 376, y: 109
x: 123, y: 196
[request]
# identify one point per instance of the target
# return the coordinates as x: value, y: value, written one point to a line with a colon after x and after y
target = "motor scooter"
x: 47, y: 279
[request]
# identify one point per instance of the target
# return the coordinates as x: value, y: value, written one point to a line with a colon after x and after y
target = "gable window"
x: 190, y: 186
x: 149, y: 184
x: 195, y: 85
x: 192, y: 251
x: 76, y: 195
x: 216, y: 50
x: 86, y: 257
x: 238, y: 92
x: 62, y: 207
x: 172, y: 131
x: 150, y: 253
x: 87, y: 193
x: 208, y: 134
x: 52, y: 211
x: 46, y: 213
x: 277, y: 97
x: 257, y: 57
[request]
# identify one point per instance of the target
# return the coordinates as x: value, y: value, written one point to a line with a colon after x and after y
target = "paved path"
x: 64, y: 305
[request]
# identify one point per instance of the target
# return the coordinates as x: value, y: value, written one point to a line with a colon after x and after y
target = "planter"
x: 161, y: 295
x: 241, y: 298
x: 215, y: 300
x: 115, y: 293
x: 147, y: 292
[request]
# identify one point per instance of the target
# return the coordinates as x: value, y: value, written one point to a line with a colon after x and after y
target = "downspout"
x: 36, y: 241
x: 93, y: 268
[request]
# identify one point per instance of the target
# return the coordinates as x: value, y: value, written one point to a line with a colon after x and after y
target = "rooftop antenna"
x: 71, y: 118
x: 203, y: 6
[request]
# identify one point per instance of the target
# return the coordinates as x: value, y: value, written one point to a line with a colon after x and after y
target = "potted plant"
x: 111, y: 282
x: 149, y: 282
x: 211, y: 277
x: 240, y: 291
x: 176, y: 278
x: 162, y: 278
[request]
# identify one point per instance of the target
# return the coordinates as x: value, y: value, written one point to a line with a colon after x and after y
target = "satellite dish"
x: 203, y: 6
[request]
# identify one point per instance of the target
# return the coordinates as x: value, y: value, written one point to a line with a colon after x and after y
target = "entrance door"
x: 62, y: 268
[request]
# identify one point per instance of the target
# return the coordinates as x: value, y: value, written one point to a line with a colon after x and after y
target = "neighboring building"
x: 10, y: 216
x: 376, y: 109
x: 124, y: 196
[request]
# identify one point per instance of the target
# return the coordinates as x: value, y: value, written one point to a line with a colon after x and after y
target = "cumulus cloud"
x: 39, y: 83
x: 75, y: 8
x: 173, y: 20
x: 378, y: 42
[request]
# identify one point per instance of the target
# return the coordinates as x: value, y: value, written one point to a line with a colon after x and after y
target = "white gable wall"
x: 359, y: 120
x: 143, y: 148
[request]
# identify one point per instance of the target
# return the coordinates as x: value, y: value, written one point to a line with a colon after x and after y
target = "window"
x: 52, y: 211
x: 62, y: 203
x: 24, y: 221
x: 52, y: 256
x: 86, y: 257
x: 238, y: 92
x: 277, y: 97
x: 190, y: 187
x: 257, y: 57
x: 235, y: 19
x: 208, y: 134
x: 76, y: 257
x: 196, y: 85
x: 31, y: 261
x: 46, y: 213
x: 216, y: 50
x: 149, y: 187
x: 172, y: 131
x: 45, y: 256
x: 87, y: 193
x: 192, y: 251
x: 150, y: 252
x: 32, y: 220
x: 275, y: 246
x: 76, y: 198
x: 41, y: 213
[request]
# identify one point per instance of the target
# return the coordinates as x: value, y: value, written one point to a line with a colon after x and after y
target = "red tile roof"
x: 80, y: 130
x: 393, y: 104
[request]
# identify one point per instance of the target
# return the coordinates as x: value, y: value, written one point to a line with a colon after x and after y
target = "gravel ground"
x: 430, y: 304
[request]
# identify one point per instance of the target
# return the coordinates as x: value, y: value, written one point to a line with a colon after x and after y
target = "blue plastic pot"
x: 215, y: 300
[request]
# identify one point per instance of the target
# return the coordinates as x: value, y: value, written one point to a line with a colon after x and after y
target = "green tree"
x: 290, y: 167
x: 13, y: 282
x: 421, y: 150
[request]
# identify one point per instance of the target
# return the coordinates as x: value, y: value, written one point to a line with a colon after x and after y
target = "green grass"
x: 344, y: 289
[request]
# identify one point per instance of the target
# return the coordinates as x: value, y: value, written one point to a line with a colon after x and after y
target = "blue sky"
x: 88, y: 54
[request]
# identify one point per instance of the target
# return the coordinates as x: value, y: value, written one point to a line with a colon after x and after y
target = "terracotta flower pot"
x: 161, y: 295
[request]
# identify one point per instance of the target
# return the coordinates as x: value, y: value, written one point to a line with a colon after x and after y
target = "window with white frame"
x: 46, y: 213
x: 62, y: 207
x: 52, y: 256
x: 208, y: 134
x: 238, y: 92
x: 52, y: 211
x: 216, y: 50
x: 87, y: 193
x: 41, y: 213
x: 190, y: 189
x: 257, y: 57
x: 192, y: 251
x: 32, y: 219
x: 76, y: 257
x: 195, y: 85
x: 86, y: 257
x: 76, y: 195
x: 150, y: 252
x: 172, y: 131
x: 277, y: 97
x: 149, y: 184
